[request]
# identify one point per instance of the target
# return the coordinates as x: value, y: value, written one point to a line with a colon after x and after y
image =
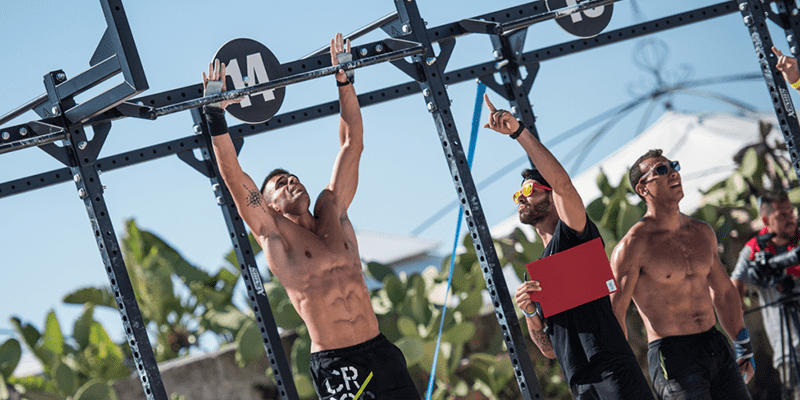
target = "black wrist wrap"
x: 215, y: 118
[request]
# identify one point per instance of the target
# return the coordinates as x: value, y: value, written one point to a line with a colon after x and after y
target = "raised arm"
x: 344, y: 178
x: 248, y: 199
x: 566, y: 199
x: 626, y: 272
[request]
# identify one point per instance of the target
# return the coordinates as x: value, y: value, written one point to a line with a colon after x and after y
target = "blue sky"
x: 47, y: 245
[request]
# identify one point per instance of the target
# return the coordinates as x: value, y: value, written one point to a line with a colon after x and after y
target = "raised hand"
x: 500, y: 120
x: 787, y: 65
x: 216, y: 72
x: 338, y: 47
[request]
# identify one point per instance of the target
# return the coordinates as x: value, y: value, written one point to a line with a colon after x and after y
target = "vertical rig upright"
x: 430, y: 77
x: 90, y: 190
x: 515, y: 87
x: 116, y: 54
x: 754, y: 16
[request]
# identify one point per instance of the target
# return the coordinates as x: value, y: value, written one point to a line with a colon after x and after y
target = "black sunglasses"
x: 663, y: 169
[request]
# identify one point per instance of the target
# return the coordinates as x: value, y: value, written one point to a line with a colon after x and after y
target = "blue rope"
x: 476, y: 120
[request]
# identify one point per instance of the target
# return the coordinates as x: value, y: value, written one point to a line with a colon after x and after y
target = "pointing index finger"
x: 489, y: 103
x: 776, y: 51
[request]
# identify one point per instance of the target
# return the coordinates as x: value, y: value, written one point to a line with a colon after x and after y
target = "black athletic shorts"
x: 611, y: 377
x: 340, y: 373
x: 699, y: 366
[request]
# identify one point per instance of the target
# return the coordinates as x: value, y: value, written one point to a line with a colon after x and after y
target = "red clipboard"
x: 573, y: 277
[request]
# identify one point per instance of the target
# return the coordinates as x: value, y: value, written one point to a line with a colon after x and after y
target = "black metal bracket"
x: 515, y: 87
x: 116, y: 54
x: 788, y: 18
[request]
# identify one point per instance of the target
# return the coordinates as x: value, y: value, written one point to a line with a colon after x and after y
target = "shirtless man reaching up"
x: 669, y: 265
x: 316, y: 257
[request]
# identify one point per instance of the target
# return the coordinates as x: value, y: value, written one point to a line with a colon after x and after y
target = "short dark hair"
x: 534, y: 174
x: 770, y: 198
x: 275, y: 172
x: 635, y: 173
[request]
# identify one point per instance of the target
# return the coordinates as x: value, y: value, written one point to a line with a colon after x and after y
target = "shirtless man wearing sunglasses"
x: 315, y: 256
x: 669, y: 265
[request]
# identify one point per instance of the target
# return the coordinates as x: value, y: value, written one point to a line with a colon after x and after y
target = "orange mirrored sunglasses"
x: 527, y: 190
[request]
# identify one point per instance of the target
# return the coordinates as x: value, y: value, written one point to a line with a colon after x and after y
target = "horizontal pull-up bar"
x: 281, y: 82
x: 33, y: 141
x: 357, y: 34
x: 553, y: 14
x: 23, y: 109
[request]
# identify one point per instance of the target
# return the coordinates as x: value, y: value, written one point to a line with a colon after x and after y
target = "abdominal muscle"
x: 680, y: 309
x: 336, y: 307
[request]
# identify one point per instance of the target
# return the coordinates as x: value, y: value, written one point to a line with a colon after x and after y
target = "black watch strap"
x: 519, y: 130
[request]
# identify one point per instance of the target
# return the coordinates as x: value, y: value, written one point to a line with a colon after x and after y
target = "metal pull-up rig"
x: 62, y: 119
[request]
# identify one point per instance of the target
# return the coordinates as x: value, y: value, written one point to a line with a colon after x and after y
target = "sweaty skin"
x: 321, y: 271
x: 669, y: 272
x: 669, y: 266
x: 315, y: 256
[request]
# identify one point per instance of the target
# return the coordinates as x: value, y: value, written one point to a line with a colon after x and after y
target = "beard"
x: 788, y: 232
x: 536, y: 213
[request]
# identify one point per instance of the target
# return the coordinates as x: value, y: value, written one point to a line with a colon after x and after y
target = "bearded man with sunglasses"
x: 587, y: 340
x: 315, y: 256
x: 668, y: 265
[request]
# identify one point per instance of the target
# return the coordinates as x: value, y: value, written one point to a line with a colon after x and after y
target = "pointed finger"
x: 776, y: 51
x: 205, y: 81
x: 488, y: 103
